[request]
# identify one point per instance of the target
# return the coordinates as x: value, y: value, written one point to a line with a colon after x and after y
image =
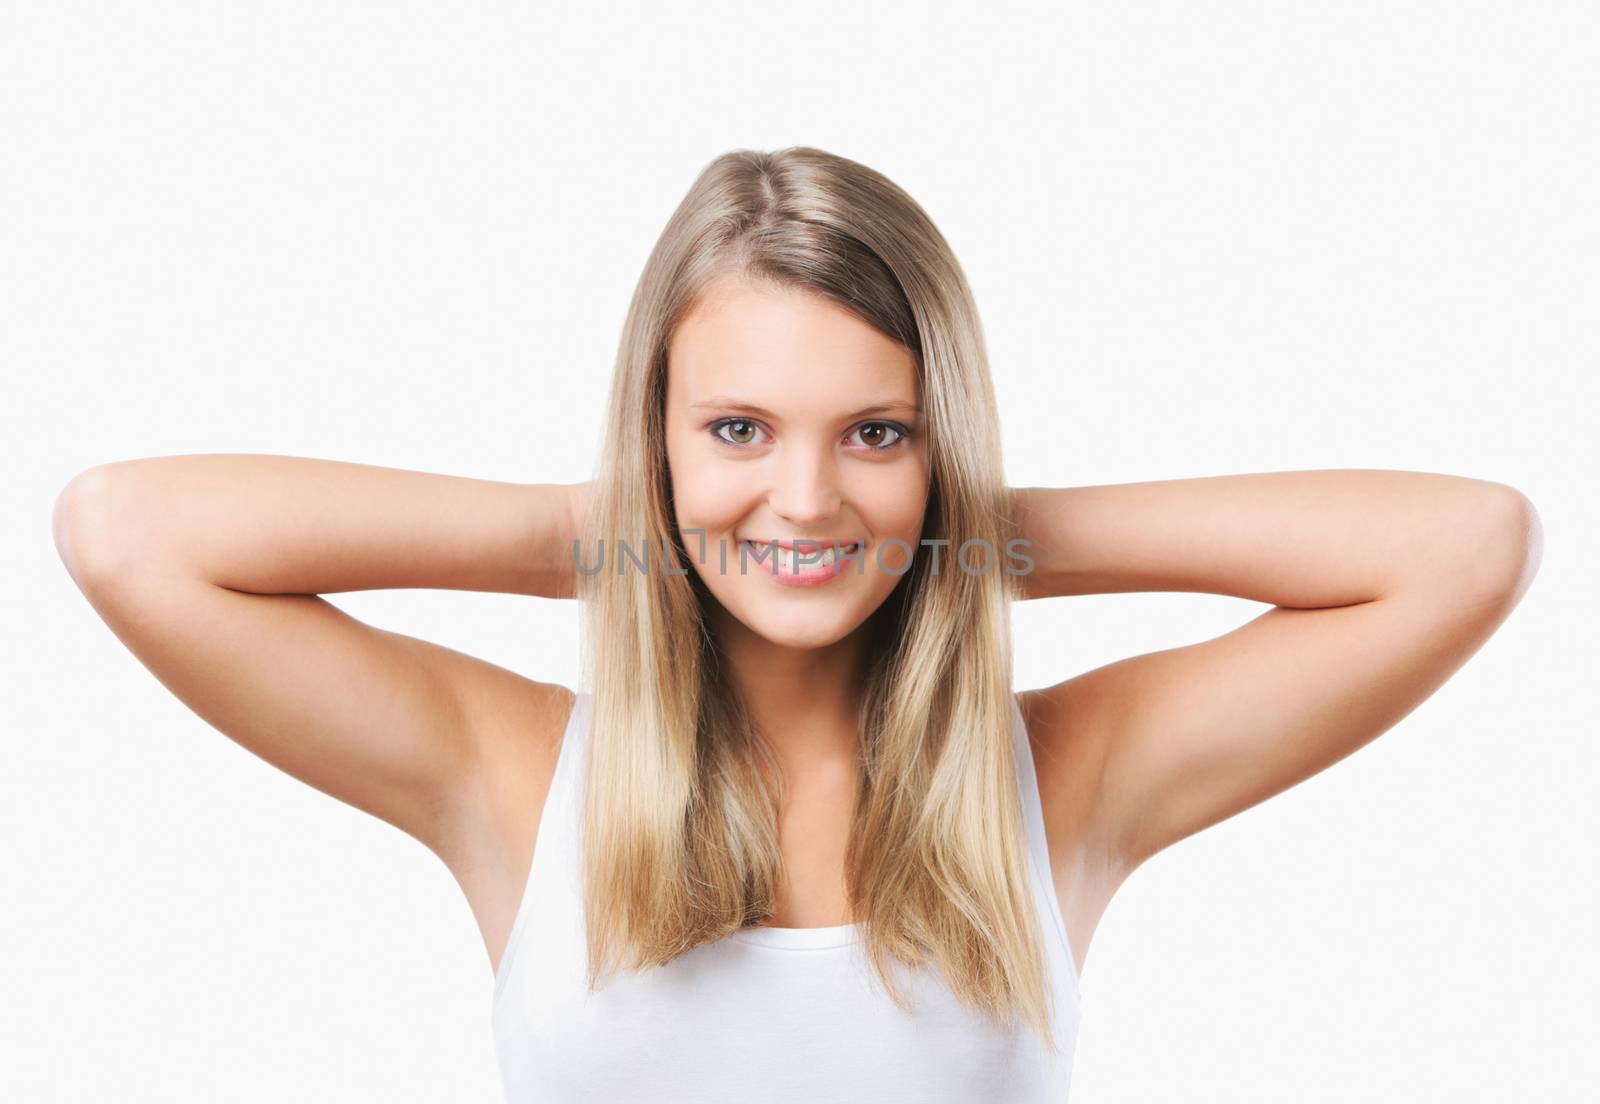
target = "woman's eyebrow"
x: 719, y: 402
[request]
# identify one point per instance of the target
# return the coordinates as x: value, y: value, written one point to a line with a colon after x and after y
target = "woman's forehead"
x: 776, y: 350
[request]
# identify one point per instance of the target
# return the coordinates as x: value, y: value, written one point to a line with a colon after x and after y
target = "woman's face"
x: 835, y: 452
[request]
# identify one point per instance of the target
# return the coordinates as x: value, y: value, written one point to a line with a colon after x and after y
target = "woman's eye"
x: 879, y: 428
x: 738, y: 432
x: 738, y: 427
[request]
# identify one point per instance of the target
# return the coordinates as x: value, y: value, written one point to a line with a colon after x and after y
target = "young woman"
x: 797, y: 839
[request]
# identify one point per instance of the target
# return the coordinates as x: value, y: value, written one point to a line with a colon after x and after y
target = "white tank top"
x: 776, y: 1015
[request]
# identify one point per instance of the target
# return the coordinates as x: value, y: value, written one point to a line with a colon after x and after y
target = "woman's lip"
x: 814, y: 545
x: 787, y: 569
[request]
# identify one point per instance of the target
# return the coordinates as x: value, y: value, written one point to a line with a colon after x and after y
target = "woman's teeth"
x: 790, y: 559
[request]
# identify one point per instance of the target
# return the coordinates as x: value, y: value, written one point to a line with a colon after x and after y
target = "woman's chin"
x: 800, y: 631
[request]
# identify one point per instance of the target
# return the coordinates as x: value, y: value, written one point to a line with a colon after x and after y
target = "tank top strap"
x: 564, y: 804
x: 554, y: 874
x: 1038, y: 844
x: 569, y: 761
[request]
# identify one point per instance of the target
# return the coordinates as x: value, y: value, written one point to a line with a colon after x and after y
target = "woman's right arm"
x: 208, y: 568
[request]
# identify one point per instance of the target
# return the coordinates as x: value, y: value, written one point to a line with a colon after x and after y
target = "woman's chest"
x: 749, y: 1021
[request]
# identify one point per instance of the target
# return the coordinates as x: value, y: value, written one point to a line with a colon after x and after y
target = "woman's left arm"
x: 1383, y: 584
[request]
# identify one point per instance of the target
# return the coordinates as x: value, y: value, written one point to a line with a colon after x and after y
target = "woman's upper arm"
x: 409, y: 731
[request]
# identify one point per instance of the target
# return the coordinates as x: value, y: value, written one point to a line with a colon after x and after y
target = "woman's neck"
x: 806, y: 701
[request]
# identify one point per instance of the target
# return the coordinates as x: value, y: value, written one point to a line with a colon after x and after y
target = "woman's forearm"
x: 296, y: 525
x: 1305, y: 539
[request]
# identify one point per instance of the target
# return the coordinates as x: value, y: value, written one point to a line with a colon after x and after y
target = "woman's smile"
x: 801, y: 563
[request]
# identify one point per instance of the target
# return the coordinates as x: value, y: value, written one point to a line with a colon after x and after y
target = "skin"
x: 815, y: 468
x: 210, y: 570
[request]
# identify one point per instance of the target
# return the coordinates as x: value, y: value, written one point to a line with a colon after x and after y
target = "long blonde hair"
x: 682, y: 793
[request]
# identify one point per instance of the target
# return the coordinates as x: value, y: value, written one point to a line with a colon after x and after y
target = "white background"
x: 1206, y: 238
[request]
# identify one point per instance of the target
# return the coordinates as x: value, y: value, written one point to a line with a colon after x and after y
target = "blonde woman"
x: 794, y: 838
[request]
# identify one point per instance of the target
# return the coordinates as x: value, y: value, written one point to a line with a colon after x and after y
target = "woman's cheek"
x: 900, y: 504
x: 714, y: 502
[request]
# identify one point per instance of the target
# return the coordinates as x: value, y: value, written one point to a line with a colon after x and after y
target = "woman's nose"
x: 806, y: 490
